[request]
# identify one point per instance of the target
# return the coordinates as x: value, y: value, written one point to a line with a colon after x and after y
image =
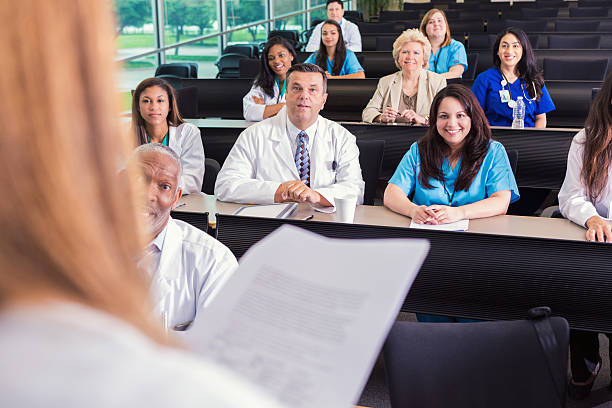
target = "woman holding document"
x: 455, y: 171
x: 73, y: 302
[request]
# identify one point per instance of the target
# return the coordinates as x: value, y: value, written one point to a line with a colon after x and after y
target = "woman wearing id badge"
x: 267, y: 96
x: 515, y: 74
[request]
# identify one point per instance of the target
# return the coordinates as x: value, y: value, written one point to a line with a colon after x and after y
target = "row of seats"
x: 499, y: 13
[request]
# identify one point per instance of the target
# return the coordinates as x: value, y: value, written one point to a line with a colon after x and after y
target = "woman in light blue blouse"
x: 333, y: 57
x: 448, y: 56
x: 455, y: 171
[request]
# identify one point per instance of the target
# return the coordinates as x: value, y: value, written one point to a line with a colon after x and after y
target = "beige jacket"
x: 389, y: 91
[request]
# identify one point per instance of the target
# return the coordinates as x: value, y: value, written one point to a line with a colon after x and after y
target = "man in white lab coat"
x: 296, y: 155
x: 350, y: 31
x: 188, y: 267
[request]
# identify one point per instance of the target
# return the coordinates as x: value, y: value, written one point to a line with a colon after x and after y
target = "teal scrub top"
x: 351, y: 64
x: 446, y: 57
x: 495, y: 174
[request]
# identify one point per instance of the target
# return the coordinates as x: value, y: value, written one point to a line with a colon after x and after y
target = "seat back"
x: 575, y: 69
x: 187, y: 102
x: 486, y: 364
x: 356, y: 16
x: 470, y: 72
x: 229, y: 65
x: 574, y: 42
x: 211, y: 170
x: 394, y: 15
x: 293, y: 36
x: 249, y: 50
x: 384, y: 43
x: 532, y: 13
x: 249, y: 67
x: 588, y: 12
x: 513, y: 159
x: 178, y: 69
x: 525, y: 25
x: 376, y: 28
x: 370, y: 160
x: 568, y: 26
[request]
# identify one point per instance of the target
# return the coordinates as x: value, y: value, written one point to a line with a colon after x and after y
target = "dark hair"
x: 138, y: 123
x: 527, y: 67
x: 308, y: 68
x: 339, y: 55
x: 266, y: 77
x: 334, y: 1
x: 433, y: 149
x: 597, y: 153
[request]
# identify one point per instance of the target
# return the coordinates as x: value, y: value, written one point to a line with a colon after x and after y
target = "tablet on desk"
x: 283, y: 210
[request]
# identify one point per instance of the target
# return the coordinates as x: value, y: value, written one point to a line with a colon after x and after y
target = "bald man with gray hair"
x: 188, y: 267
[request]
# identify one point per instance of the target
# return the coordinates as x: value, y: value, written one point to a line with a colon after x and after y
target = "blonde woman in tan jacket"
x: 406, y: 95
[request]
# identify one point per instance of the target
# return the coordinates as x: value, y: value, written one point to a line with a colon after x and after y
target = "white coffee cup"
x: 345, y: 208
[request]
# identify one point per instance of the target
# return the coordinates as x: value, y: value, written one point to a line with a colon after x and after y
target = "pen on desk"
x: 310, y: 217
x: 180, y: 205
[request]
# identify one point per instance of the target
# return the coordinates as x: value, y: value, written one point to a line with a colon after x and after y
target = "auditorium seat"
x: 293, y: 36
x: 574, y: 42
x: 531, y: 13
x: 470, y: 73
x: 249, y: 50
x: 178, y: 69
x: 355, y: 16
x: 376, y: 28
x: 575, y: 69
x: 569, y: 26
x: 384, y: 43
x: 588, y: 12
x: 526, y: 26
x: 229, y: 65
x: 393, y: 15
x: 187, y: 102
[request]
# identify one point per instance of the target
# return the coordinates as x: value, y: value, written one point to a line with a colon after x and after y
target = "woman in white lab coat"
x: 267, y: 95
x: 586, y: 199
x: 155, y: 118
x: 75, y: 323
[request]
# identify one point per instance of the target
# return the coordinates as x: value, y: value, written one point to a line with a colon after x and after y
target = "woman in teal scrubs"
x: 448, y: 56
x: 455, y: 171
x: 333, y: 57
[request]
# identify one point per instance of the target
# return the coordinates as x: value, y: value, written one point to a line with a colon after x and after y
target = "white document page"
x: 307, y: 325
x: 461, y: 225
x: 268, y: 210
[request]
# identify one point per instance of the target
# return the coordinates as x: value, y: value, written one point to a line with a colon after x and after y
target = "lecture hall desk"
x: 498, y: 269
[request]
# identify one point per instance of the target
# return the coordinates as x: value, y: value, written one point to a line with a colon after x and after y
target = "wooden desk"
x: 498, y: 269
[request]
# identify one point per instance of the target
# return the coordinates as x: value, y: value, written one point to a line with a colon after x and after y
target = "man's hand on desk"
x: 599, y: 229
x: 297, y: 191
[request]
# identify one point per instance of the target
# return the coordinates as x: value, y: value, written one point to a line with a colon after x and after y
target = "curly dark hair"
x: 266, y: 77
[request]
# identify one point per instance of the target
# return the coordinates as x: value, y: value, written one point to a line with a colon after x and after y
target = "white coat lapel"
x: 280, y: 142
x: 322, y: 144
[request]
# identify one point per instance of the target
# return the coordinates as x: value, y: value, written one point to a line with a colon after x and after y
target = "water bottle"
x: 518, y: 114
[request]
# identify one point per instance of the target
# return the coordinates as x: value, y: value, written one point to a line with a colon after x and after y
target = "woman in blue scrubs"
x: 515, y: 74
x: 333, y: 57
x: 448, y: 56
x: 455, y: 171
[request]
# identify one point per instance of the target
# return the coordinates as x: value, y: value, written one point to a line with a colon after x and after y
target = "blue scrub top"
x: 495, y: 174
x: 446, y: 57
x: 351, y: 64
x: 486, y: 88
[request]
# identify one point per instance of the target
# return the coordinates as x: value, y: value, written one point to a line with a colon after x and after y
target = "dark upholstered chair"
x: 178, y: 69
x: 588, y: 11
x: 574, y: 42
x: 229, y: 65
x: 403, y: 15
x: 249, y: 50
x: 532, y: 13
x: 487, y: 364
x: 293, y: 36
x: 575, y: 69
x: 248, y: 67
x: 569, y: 26
x: 525, y: 25
x: 211, y: 170
x: 356, y: 16
x: 187, y: 101
x: 470, y: 72
x: 384, y: 43
x: 513, y: 159
x: 370, y: 160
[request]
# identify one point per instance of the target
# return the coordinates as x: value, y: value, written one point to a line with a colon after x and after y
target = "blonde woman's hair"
x: 68, y: 220
x: 425, y: 20
x: 411, y: 35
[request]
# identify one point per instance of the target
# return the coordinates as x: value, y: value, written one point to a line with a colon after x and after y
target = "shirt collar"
x: 158, y: 241
x: 293, y: 131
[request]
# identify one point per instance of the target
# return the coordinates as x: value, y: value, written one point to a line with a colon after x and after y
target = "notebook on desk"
x: 283, y: 210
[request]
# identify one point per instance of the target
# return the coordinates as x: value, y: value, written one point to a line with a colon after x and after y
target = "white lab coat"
x: 70, y: 355
x: 193, y: 266
x: 253, y: 112
x: 574, y: 202
x: 186, y: 141
x: 262, y: 159
x: 350, y: 33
